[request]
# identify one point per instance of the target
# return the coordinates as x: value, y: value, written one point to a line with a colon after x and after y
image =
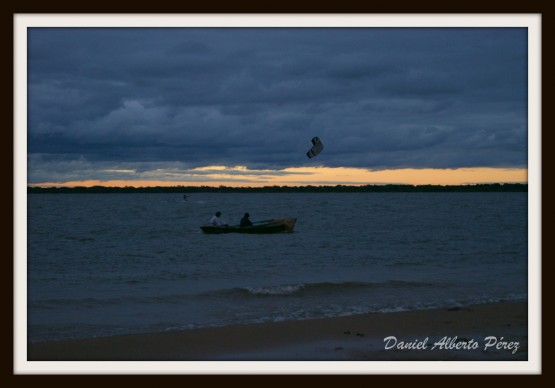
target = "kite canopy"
x: 316, y: 148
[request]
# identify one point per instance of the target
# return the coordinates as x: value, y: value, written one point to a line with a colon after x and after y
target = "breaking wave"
x: 303, y: 289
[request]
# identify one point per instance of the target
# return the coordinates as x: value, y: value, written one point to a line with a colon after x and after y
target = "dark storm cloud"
x: 377, y: 97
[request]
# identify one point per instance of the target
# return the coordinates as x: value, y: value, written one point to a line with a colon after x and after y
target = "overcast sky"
x: 106, y: 101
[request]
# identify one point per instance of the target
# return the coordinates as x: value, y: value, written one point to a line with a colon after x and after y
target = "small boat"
x: 267, y: 226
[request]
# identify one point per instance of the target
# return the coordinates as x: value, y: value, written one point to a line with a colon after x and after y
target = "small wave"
x: 406, y: 264
x: 302, y: 289
x: 276, y: 290
x: 80, y: 239
x: 92, y: 303
x: 450, y: 303
x: 86, y: 303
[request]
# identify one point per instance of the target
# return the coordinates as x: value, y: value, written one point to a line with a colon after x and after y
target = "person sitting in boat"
x: 216, y: 220
x: 245, y: 221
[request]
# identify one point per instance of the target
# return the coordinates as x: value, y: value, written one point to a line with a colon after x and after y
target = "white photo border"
x: 531, y: 21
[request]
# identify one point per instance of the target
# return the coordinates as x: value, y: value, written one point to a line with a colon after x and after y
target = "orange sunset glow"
x: 240, y: 176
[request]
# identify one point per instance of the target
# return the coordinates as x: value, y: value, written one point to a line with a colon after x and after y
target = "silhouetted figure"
x: 216, y: 220
x: 245, y: 221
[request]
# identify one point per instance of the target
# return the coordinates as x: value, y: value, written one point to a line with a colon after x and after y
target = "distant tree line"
x: 492, y: 187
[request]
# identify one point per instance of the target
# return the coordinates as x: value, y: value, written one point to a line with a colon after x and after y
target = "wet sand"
x: 454, y: 334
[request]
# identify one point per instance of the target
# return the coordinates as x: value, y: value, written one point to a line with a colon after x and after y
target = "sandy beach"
x: 495, y: 332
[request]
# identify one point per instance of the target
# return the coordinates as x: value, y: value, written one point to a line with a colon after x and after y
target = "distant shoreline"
x: 493, y: 187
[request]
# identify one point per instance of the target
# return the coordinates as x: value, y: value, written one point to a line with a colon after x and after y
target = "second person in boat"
x: 245, y: 221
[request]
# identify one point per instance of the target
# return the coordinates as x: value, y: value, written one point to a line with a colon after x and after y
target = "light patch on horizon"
x: 241, y: 176
x: 121, y: 171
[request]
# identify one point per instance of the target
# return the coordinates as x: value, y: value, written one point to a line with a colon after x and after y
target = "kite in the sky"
x: 316, y: 148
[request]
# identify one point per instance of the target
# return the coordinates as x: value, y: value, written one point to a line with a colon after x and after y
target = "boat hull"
x: 284, y: 225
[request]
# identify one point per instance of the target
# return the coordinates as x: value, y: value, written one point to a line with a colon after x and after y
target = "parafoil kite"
x: 316, y: 148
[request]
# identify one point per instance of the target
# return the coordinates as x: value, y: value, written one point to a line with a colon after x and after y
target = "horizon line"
x: 52, y: 186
